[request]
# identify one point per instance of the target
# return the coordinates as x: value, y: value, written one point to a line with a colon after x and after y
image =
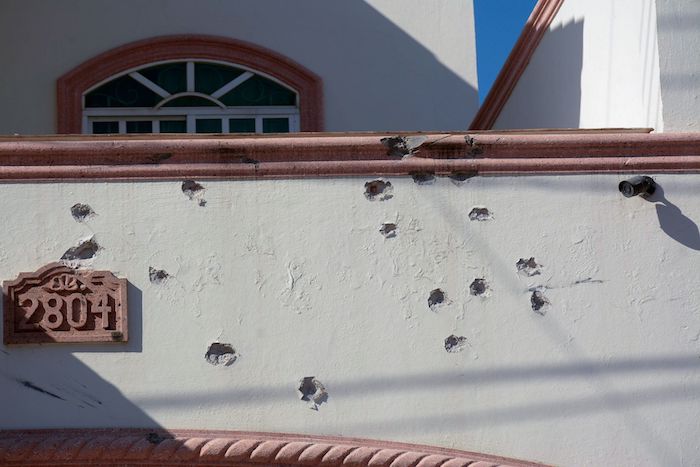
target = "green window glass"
x: 241, y: 125
x: 275, y: 125
x: 145, y: 126
x: 122, y: 92
x: 210, y: 77
x: 208, y: 125
x: 173, y: 126
x: 170, y: 76
x: 101, y: 128
x: 259, y: 91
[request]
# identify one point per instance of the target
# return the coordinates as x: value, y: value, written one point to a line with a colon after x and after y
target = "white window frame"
x: 159, y: 112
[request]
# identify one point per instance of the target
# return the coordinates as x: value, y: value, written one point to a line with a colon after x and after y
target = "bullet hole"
x: 423, y: 178
x: 378, y: 190
x: 539, y: 302
x: 478, y: 287
x: 435, y: 299
x: 81, y: 212
x: 388, y: 230
x: 454, y: 344
x: 528, y: 267
x: 86, y: 249
x: 157, y: 276
x: 474, y: 148
x: 312, y: 391
x: 158, y: 157
x: 480, y: 214
x: 117, y: 335
x: 194, y: 191
x: 459, y: 177
x: 157, y: 438
x: 34, y: 387
x: 221, y: 354
x: 403, y: 146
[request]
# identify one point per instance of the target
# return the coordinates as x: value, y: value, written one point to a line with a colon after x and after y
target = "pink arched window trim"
x: 72, y: 85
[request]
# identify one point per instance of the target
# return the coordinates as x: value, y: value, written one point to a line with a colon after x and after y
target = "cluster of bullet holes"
x: 378, y: 190
x: 312, y: 391
x: 436, y: 299
x: 423, y: 178
x: 388, y: 230
x: 480, y: 214
x: 539, y: 302
x: 194, y: 191
x: 221, y: 354
x: 478, y: 287
x: 403, y: 146
x: 81, y: 212
x: 528, y: 267
x: 454, y: 344
x: 157, y: 276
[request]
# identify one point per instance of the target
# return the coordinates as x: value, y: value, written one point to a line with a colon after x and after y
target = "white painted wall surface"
x: 296, y: 276
x: 386, y: 65
x: 596, y: 67
x: 679, y: 42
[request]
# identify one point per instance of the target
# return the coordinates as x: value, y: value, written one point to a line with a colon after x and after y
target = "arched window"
x: 190, y: 96
x: 189, y: 84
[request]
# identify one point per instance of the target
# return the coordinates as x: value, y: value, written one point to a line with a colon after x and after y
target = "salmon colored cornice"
x: 106, y: 447
x: 523, y: 50
x: 459, y: 155
x: 71, y: 86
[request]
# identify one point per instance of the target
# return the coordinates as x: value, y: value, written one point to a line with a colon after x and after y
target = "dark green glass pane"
x: 170, y: 76
x: 259, y: 91
x: 275, y: 125
x: 190, y: 101
x: 145, y: 126
x: 101, y: 128
x: 208, y: 125
x: 122, y: 92
x: 173, y: 126
x: 241, y: 125
x: 209, y: 77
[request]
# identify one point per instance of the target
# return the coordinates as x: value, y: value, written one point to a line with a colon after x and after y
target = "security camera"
x: 639, y: 185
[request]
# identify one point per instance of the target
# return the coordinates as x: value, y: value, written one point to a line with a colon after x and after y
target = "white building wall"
x: 385, y: 65
x: 297, y: 278
x: 596, y: 67
x: 679, y: 42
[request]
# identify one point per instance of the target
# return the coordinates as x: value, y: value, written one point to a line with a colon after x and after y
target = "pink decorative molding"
x: 72, y: 85
x: 223, y: 448
x: 332, y: 155
x: 514, y: 66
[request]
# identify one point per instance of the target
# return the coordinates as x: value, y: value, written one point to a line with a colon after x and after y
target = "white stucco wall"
x: 596, y: 67
x: 296, y: 276
x: 679, y: 40
x: 385, y: 65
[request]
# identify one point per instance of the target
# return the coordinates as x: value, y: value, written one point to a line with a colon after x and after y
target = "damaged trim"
x: 331, y: 155
x: 107, y: 447
x: 516, y: 63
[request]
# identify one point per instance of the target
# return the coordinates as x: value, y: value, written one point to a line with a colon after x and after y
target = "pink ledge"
x: 136, y: 447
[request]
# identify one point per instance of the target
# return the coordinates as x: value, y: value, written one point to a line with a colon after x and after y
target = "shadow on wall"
x: 42, y: 386
x: 548, y: 94
x: 673, y: 222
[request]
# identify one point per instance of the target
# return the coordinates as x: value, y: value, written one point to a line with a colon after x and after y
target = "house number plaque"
x: 60, y: 304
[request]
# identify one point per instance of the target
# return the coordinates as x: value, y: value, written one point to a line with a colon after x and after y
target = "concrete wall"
x: 597, y: 66
x: 679, y: 40
x: 386, y: 65
x: 296, y: 276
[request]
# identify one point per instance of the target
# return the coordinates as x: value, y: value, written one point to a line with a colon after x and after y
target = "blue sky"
x: 498, y: 25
